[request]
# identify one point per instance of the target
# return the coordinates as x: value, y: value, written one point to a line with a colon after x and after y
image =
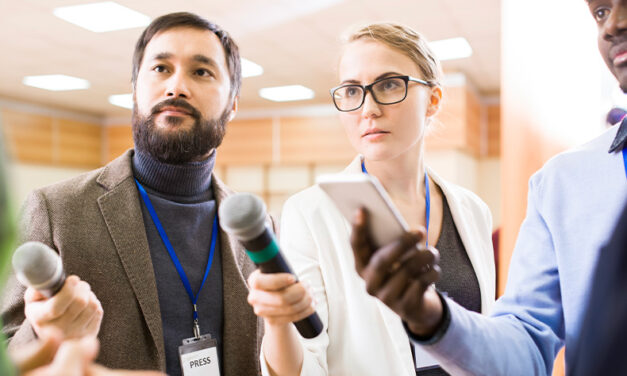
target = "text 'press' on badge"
x: 199, y: 356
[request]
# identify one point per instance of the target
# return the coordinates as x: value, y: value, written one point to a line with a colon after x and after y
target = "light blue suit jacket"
x: 573, y: 205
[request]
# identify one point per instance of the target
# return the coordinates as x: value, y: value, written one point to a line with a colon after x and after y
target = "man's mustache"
x: 176, y: 102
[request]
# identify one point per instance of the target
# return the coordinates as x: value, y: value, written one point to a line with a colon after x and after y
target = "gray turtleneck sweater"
x: 183, y: 200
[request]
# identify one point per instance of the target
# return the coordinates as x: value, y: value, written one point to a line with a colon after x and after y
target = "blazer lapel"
x: 121, y: 210
x: 242, y: 329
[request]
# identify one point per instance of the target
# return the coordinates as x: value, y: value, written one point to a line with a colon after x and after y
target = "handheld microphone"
x: 38, y: 266
x: 243, y: 215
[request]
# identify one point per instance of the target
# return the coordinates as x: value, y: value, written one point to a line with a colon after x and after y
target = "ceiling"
x: 296, y: 42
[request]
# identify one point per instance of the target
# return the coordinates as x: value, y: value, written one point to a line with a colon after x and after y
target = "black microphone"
x: 38, y: 266
x: 243, y: 215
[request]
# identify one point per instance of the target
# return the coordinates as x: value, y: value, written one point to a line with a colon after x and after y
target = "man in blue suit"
x: 603, y: 337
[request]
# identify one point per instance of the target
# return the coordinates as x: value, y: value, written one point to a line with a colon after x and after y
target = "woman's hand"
x: 401, y: 275
x: 279, y: 298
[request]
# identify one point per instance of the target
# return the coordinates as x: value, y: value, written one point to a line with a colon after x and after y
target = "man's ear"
x: 434, y: 101
x: 234, y: 109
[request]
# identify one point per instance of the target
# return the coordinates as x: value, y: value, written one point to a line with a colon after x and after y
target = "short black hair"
x: 186, y: 19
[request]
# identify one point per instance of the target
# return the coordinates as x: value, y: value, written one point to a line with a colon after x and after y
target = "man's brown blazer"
x: 95, y: 222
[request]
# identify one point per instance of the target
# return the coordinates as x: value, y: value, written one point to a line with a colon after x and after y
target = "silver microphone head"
x: 243, y: 215
x: 37, y: 265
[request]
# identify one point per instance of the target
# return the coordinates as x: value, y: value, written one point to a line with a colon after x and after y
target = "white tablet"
x: 350, y: 192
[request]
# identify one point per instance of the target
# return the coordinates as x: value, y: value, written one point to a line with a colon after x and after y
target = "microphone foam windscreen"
x: 243, y: 215
x: 36, y: 263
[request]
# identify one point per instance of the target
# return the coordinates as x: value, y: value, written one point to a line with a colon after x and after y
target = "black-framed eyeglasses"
x: 388, y: 90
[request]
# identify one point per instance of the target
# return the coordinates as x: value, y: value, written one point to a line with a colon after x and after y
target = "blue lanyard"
x: 175, y: 259
x: 625, y: 160
x: 428, y: 197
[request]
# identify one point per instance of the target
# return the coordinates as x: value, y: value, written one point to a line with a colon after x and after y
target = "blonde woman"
x: 387, y: 96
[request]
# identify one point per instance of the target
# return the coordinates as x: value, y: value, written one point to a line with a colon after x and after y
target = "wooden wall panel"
x: 448, y: 130
x: 291, y: 140
x: 247, y: 142
x: 474, y: 134
x: 314, y: 140
x: 322, y: 140
x: 79, y: 144
x: 29, y: 137
x: 494, y: 130
x: 40, y: 139
x: 119, y: 138
x: 459, y: 123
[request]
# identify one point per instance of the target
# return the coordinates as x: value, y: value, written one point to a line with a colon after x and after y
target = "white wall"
x: 23, y: 178
x: 481, y: 176
x: 277, y: 183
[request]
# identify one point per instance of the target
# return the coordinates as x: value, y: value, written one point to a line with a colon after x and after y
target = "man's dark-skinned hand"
x: 401, y: 275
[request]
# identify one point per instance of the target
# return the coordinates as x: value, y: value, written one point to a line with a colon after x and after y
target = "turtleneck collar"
x: 189, y: 179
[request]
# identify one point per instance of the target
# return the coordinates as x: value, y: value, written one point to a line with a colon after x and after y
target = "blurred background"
x: 523, y: 81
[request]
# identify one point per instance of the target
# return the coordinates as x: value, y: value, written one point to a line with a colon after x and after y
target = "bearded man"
x: 151, y: 274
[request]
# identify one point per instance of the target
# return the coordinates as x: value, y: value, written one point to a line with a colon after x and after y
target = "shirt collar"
x: 620, y: 141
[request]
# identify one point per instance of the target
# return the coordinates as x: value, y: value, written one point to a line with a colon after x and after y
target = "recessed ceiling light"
x: 250, y: 69
x: 122, y: 100
x: 449, y: 49
x: 101, y: 17
x: 286, y: 93
x: 56, y: 82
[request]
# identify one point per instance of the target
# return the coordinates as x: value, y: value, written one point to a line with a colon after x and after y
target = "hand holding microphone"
x: 51, y: 300
x: 275, y: 293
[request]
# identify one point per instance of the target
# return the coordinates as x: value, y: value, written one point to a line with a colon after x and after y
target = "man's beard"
x: 177, y: 146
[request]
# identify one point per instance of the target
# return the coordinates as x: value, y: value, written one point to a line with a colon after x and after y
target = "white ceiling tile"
x: 296, y: 41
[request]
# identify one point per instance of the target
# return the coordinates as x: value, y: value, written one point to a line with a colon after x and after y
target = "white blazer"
x: 361, y: 335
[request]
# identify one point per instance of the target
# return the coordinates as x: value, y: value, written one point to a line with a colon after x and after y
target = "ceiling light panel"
x: 102, y: 17
x: 56, y: 82
x: 250, y: 69
x: 286, y: 93
x: 122, y: 100
x: 450, y: 49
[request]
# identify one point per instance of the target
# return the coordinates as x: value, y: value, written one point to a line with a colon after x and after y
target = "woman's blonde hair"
x: 404, y: 40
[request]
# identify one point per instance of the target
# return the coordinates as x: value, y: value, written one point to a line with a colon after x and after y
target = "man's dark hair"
x: 185, y: 19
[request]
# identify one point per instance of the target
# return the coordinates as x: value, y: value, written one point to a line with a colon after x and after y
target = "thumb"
x: 32, y: 295
x: 273, y: 281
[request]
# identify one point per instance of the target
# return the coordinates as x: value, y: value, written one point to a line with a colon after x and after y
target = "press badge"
x: 199, y: 356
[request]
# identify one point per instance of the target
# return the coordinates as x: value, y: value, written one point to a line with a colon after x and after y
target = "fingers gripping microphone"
x: 243, y: 215
x: 38, y: 266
